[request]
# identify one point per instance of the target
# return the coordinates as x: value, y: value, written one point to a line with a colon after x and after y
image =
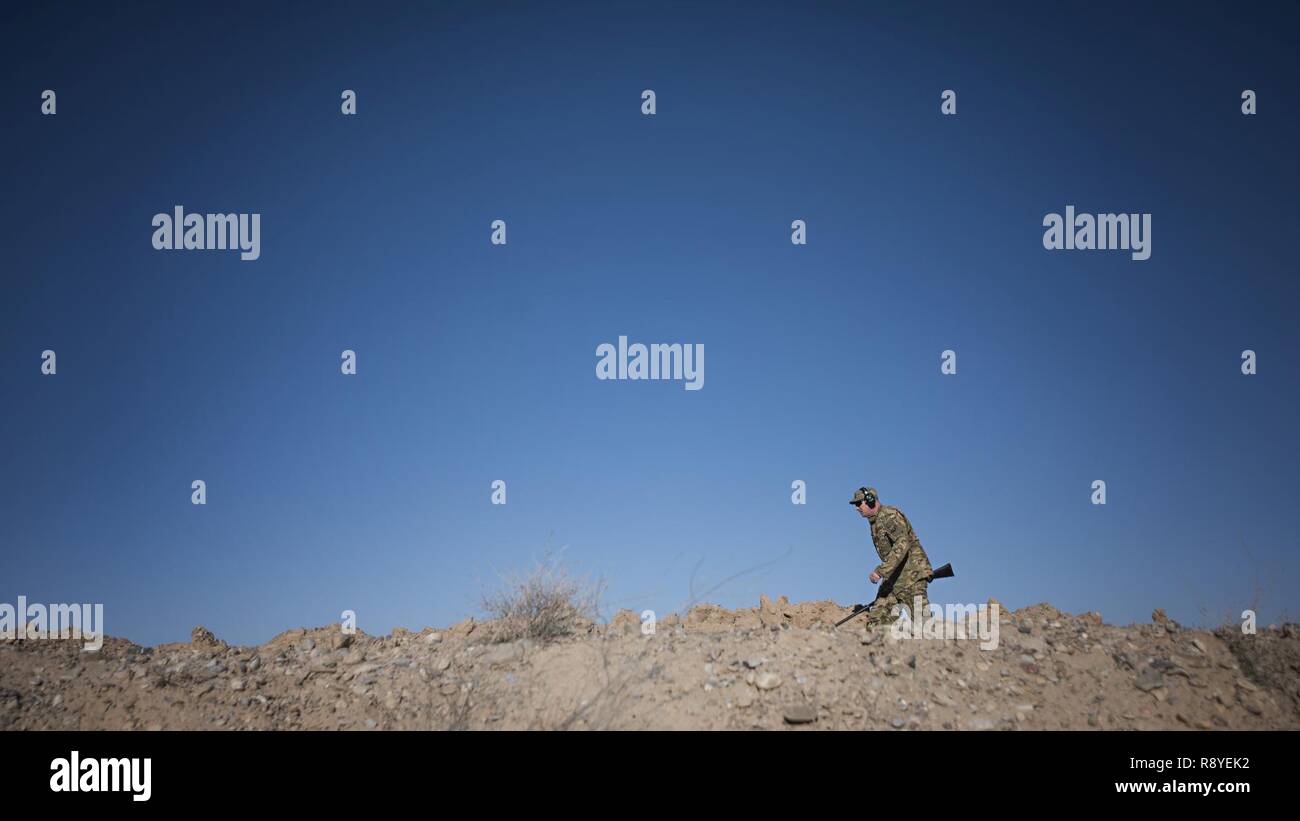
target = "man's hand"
x: 875, y: 577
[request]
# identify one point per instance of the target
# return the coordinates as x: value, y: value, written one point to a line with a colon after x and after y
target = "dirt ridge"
x: 774, y: 666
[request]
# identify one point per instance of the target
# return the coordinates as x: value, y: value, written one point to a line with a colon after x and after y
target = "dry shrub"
x: 543, y: 604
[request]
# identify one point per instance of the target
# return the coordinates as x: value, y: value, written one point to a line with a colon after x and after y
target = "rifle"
x: 944, y: 572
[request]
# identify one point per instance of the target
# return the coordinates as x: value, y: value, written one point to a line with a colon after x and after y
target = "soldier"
x: 904, y: 568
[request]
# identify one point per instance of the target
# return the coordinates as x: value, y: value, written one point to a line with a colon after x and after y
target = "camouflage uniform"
x: 904, y: 568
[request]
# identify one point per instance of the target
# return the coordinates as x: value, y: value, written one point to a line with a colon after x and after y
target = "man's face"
x: 868, y: 512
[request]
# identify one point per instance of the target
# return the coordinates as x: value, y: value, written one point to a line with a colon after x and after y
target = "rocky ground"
x: 776, y: 666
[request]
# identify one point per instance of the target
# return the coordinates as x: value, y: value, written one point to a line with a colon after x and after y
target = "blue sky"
x: 477, y: 362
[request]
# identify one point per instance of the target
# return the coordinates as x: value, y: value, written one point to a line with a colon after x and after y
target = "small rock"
x: 801, y: 714
x: 203, y: 637
x: 1149, y: 679
x: 767, y: 681
x: 237, y: 684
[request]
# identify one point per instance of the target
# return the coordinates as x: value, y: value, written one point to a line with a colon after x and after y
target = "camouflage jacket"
x: 901, y: 556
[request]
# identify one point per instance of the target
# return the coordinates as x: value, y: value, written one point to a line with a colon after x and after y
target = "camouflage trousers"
x: 882, y: 612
